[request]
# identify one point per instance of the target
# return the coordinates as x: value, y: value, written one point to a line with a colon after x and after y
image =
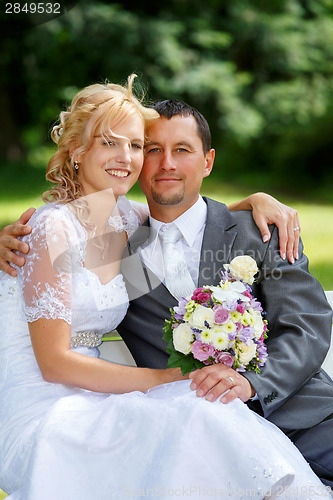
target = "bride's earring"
x: 76, y: 165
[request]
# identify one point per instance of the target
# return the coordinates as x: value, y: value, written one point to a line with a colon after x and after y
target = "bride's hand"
x: 267, y: 210
x: 9, y: 243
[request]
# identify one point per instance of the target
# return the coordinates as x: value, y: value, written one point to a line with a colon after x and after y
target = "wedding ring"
x: 231, y: 380
x: 296, y: 228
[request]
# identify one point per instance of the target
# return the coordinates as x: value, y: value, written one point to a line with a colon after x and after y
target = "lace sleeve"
x: 128, y: 215
x: 141, y: 209
x: 46, y: 276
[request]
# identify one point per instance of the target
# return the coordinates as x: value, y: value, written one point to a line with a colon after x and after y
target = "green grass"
x: 21, y: 188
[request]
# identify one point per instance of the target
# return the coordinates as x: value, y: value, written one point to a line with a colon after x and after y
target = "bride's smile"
x: 114, y: 159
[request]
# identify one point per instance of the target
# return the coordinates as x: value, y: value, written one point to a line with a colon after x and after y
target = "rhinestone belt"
x: 86, y: 339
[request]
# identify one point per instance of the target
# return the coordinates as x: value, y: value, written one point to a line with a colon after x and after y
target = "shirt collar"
x: 189, y: 223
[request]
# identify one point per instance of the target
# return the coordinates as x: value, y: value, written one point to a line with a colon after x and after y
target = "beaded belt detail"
x: 86, y: 339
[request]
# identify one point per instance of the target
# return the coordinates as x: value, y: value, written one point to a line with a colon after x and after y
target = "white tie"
x: 177, y: 277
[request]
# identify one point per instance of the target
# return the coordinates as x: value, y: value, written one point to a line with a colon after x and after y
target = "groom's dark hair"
x: 173, y: 107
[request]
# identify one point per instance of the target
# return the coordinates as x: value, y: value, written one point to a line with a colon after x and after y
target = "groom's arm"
x: 265, y: 209
x: 9, y: 243
x: 299, y: 322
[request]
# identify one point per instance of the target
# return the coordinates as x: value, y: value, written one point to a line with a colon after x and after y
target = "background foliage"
x: 261, y: 72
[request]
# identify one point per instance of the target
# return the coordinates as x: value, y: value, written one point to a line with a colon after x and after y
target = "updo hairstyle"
x: 94, y: 110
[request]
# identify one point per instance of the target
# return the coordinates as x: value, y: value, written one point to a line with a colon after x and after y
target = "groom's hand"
x: 9, y: 243
x: 213, y: 381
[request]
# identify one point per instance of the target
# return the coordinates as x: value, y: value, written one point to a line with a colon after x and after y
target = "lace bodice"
x: 54, y: 283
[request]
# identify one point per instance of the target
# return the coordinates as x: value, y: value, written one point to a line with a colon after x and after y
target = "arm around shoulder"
x: 9, y: 243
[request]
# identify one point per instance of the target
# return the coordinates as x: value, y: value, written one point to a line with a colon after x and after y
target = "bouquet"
x: 219, y: 324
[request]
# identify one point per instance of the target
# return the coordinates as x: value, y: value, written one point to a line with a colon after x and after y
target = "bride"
x: 73, y: 425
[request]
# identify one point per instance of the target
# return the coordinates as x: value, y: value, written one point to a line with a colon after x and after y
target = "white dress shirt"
x: 192, y: 225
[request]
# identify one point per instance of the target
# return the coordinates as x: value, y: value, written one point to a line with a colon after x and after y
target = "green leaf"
x: 167, y: 331
x: 187, y: 363
x: 175, y: 359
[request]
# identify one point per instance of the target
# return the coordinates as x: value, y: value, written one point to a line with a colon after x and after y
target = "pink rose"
x: 240, y: 309
x: 203, y: 297
x: 221, y: 315
x: 239, y: 327
x: 202, y: 351
x: 200, y: 295
x: 225, y: 358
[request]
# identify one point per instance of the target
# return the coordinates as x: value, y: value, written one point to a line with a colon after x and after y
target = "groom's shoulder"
x: 243, y: 219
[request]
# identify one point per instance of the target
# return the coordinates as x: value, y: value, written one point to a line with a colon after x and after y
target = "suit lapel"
x: 218, y: 240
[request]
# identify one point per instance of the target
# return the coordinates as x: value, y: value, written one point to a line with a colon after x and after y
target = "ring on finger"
x: 231, y: 380
x: 296, y: 228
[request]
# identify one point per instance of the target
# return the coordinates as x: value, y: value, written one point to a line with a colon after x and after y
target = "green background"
x: 261, y: 72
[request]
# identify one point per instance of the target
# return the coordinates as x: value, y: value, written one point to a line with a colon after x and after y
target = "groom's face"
x: 174, y: 165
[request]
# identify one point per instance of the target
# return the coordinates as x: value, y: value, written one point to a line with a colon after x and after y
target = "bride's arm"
x: 55, y: 242
x: 58, y: 364
x: 267, y: 210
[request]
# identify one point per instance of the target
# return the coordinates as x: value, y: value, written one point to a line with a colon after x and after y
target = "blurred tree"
x: 262, y: 73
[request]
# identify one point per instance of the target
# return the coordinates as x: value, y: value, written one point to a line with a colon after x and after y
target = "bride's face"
x: 114, y: 160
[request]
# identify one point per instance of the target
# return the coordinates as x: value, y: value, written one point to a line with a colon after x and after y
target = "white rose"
x: 246, y: 352
x: 220, y: 338
x: 200, y: 315
x: 243, y: 267
x: 258, y: 324
x: 182, y: 338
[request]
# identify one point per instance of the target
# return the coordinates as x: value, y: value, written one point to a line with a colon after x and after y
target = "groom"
x: 292, y: 390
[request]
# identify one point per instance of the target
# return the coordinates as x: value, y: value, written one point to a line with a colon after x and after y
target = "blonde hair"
x: 94, y: 109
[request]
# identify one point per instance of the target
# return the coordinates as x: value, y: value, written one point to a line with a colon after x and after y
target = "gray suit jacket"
x: 294, y: 392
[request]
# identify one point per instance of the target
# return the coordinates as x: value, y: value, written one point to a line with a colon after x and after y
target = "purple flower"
x: 225, y: 358
x: 230, y: 304
x: 232, y: 336
x: 180, y: 310
x: 246, y: 334
x: 262, y: 353
x: 221, y: 315
x: 255, y: 305
x: 202, y: 351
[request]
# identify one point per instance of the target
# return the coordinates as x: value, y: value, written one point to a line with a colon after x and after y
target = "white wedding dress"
x: 59, y: 442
